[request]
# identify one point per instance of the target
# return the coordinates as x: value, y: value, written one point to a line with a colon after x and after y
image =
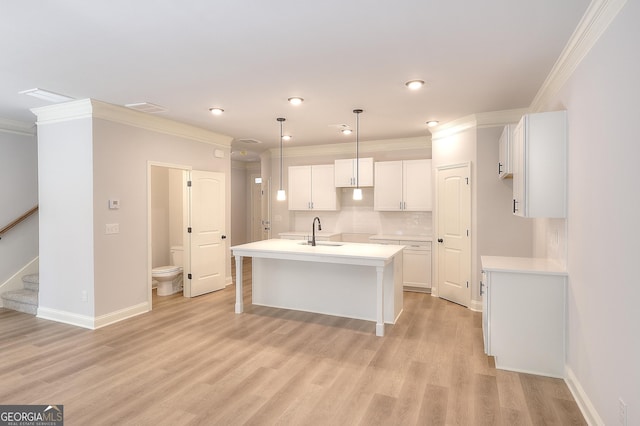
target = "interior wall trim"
x: 349, y: 148
x: 594, y: 22
x: 17, y: 127
x: 480, y: 120
x: 91, y: 108
x: 584, y: 403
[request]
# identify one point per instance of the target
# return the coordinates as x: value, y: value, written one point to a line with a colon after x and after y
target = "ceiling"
x: 249, y: 57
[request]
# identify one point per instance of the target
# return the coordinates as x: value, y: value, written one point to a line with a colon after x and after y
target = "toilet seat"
x: 165, y: 271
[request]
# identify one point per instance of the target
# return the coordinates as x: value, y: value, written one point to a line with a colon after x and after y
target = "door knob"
x: 440, y: 240
x: 224, y: 237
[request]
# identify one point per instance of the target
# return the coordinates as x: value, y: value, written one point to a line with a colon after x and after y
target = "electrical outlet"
x: 622, y: 412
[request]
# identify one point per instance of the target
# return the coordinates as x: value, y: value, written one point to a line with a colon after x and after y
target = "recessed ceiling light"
x: 46, y: 95
x: 346, y: 131
x: 432, y: 123
x: 286, y: 137
x: 216, y: 111
x: 296, y: 100
x: 414, y: 84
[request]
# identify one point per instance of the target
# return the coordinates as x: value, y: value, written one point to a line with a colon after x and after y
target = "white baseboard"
x: 92, y: 323
x: 584, y: 403
x: 71, y: 318
x: 15, y: 282
x: 476, y: 305
x: 229, y: 281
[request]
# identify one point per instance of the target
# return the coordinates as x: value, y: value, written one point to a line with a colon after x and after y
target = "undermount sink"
x: 321, y: 243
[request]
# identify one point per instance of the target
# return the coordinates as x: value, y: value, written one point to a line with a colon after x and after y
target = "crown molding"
x: 17, y: 127
x: 478, y: 121
x: 91, y: 108
x: 593, y: 24
x: 366, y: 147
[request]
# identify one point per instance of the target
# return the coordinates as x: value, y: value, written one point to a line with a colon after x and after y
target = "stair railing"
x: 18, y: 220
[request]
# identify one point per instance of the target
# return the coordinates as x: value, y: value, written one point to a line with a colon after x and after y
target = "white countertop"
x: 401, y: 237
x: 330, y: 252
x: 522, y: 265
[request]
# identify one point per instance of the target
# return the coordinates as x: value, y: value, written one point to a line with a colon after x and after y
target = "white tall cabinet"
x: 404, y: 185
x: 539, y: 165
x: 347, y: 174
x: 524, y: 314
x: 312, y: 188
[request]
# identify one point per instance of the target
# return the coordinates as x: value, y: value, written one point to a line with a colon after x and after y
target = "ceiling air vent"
x: 147, y: 107
x: 249, y: 141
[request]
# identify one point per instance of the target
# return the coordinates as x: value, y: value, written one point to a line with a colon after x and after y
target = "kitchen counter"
x: 354, y: 280
x: 400, y: 238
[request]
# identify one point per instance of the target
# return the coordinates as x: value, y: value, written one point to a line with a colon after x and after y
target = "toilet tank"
x: 176, y: 256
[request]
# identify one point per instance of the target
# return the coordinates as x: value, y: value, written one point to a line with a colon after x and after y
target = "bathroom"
x: 167, y: 230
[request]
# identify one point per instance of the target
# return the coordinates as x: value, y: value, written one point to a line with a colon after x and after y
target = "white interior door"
x: 207, y: 236
x: 453, y: 233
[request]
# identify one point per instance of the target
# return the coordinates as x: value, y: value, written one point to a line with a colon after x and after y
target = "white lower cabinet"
x: 524, y: 314
x: 416, y: 263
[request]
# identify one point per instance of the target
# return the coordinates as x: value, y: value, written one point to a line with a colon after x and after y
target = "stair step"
x: 31, y: 282
x: 21, y: 300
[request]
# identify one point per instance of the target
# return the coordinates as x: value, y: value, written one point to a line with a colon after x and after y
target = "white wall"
x: 240, y: 209
x: 65, y: 180
x: 602, y: 232
x: 160, y: 215
x: 19, y: 193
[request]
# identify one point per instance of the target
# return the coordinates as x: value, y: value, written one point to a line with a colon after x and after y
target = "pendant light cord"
x: 357, y: 112
x: 280, y: 119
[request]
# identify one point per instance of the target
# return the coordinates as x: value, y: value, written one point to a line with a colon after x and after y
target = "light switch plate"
x: 112, y: 228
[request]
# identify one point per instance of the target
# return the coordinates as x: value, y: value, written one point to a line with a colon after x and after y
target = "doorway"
x: 453, y: 230
x: 186, y: 209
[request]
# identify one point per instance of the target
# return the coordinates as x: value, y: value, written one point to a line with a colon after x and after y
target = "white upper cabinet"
x: 539, y: 165
x: 403, y: 186
x: 312, y: 188
x: 505, y: 152
x: 346, y: 173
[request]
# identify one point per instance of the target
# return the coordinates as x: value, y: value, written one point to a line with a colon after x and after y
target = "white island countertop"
x: 324, y: 251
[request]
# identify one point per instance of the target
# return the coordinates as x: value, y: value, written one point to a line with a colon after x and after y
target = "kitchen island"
x: 362, y: 281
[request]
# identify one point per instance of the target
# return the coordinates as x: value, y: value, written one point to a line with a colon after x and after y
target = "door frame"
x: 436, y: 253
x: 186, y: 253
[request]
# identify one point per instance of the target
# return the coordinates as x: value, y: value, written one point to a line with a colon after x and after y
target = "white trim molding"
x: 584, y: 403
x: 594, y: 22
x: 91, y: 108
x: 366, y: 147
x: 478, y: 121
x: 90, y: 322
x: 17, y: 127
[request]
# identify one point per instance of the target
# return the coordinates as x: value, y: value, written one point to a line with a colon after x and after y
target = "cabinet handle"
x: 499, y: 168
x: 481, y: 287
x: 514, y: 205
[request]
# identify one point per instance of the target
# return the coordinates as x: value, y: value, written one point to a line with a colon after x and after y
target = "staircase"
x: 25, y: 300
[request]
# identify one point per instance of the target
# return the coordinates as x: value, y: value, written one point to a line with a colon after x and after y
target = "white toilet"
x: 169, y: 278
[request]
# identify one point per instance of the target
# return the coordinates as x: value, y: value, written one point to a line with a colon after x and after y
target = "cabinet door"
x: 365, y: 172
x: 387, y: 190
x: 299, y: 187
x: 323, y: 189
x: 417, y: 184
x: 504, y: 153
x: 344, y: 174
x: 518, y: 169
x: 416, y: 267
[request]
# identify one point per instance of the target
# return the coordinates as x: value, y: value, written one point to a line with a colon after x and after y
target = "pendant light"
x: 281, y: 195
x: 357, y: 192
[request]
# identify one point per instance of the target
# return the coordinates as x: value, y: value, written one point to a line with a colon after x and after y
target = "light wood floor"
x: 193, y: 361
